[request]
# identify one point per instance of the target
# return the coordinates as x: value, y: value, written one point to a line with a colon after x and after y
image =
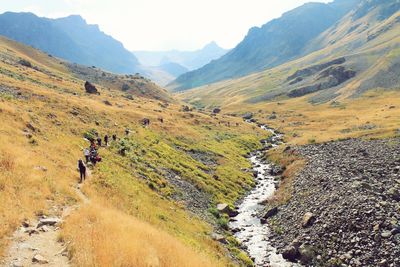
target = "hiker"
x: 87, y: 154
x: 127, y: 131
x: 82, y: 170
x: 99, y: 141
x: 106, y: 140
x: 114, y: 137
x: 92, y: 145
x: 146, y: 122
x: 93, y: 156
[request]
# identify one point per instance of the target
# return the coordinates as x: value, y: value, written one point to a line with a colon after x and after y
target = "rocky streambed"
x: 246, y: 225
x: 345, y: 208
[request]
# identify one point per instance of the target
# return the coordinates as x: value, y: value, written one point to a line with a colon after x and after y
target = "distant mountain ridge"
x: 276, y: 42
x: 191, y: 60
x: 70, y: 38
x: 165, y: 66
x: 354, y: 57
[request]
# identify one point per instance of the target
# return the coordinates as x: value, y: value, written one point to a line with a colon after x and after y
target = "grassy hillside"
x: 308, y: 101
x: 138, y: 215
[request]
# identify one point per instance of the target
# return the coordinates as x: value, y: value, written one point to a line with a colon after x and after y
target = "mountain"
x: 147, y: 203
x: 189, y: 59
x: 358, y: 54
x: 276, y: 42
x: 173, y: 68
x: 69, y: 38
x: 164, y: 73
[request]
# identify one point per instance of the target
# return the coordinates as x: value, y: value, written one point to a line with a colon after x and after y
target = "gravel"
x: 352, y: 190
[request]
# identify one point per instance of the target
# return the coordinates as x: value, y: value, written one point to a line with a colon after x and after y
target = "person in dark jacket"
x: 99, y: 141
x: 106, y: 140
x: 82, y: 170
x: 114, y: 137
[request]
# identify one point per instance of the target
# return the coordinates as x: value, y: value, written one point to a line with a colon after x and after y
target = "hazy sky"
x: 165, y: 24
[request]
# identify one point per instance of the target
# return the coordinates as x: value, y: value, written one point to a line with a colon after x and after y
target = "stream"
x: 252, y: 234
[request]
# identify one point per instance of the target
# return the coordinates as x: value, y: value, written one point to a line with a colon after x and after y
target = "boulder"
x: 39, y: 259
x: 394, y: 193
x: 233, y: 213
x: 247, y: 116
x: 219, y: 238
x: 90, y: 88
x: 386, y: 234
x: 125, y: 87
x: 48, y: 221
x: 276, y: 170
x: 108, y: 103
x: 26, y: 223
x: 270, y: 213
x: 308, y: 219
x: 224, y: 208
x: 186, y: 108
x: 291, y: 253
x: 272, y: 117
x: 216, y: 110
x: 306, y: 254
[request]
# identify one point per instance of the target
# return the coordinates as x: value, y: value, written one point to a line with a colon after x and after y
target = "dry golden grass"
x: 110, y: 238
x: 292, y: 163
x: 375, y: 115
x: 168, y: 234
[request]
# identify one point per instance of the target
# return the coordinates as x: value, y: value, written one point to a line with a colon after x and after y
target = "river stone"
x: 219, y: 238
x: 271, y: 212
x: 290, y: 253
x: 39, y: 259
x: 247, y: 116
x: 306, y: 254
x: 386, y: 234
x: 224, y: 208
x: 308, y: 219
x: 394, y: 193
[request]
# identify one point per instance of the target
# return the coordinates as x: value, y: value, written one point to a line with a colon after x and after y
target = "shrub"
x: 125, y: 87
x: 90, y: 134
x: 25, y: 63
x: 214, y: 212
x: 223, y: 222
x: 312, y: 141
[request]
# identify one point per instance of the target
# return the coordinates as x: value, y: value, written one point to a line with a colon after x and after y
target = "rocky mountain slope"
x: 358, y: 54
x: 345, y: 206
x: 70, y: 38
x: 276, y: 42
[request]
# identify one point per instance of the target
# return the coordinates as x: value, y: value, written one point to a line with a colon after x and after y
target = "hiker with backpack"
x: 99, y: 141
x: 106, y: 140
x: 86, y: 153
x: 82, y: 170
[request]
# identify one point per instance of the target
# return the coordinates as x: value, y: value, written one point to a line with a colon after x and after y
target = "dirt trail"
x: 37, y: 242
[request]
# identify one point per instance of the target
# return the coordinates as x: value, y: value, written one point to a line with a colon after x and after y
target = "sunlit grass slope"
x: 365, y: 106
x: 132, y: 219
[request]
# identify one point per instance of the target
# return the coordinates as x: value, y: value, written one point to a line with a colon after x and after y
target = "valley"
x: 45, y: 114
x: 283, y: 151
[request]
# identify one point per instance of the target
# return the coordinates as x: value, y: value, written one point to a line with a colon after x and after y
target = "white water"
x: 254, y: 235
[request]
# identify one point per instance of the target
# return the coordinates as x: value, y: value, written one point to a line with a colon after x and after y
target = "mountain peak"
x: 212, y: 46
x: 74, y: 19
